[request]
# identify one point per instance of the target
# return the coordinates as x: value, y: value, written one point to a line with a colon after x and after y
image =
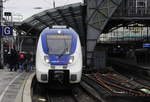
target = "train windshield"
x: 59, y: 44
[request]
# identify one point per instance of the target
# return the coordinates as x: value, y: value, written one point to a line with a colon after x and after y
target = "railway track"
x: 95, y: 87
x: 41, y: 93
x: 60, y: 96
x: 138, y: 76
x: 117, y: 85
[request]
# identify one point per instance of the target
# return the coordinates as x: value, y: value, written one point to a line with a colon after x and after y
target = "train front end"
x: 59, y: 56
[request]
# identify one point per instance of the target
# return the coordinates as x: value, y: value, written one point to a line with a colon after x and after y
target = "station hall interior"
x: 114, y: 35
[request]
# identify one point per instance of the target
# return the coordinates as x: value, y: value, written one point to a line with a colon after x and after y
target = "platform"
x: 10, y: 84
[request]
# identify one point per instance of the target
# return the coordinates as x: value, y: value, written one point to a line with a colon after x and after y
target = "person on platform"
x: 13, y: 60
x: 21, y: 60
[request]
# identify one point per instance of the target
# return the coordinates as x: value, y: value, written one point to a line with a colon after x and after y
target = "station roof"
x: 71, y: 15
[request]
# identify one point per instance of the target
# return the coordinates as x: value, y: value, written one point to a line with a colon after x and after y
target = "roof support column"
x: 98, y: 14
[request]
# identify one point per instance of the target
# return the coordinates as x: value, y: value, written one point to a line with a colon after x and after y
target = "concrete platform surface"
x: 10, y: 84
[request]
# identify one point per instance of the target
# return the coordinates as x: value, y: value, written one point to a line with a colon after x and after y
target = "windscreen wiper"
x: 64, y: 51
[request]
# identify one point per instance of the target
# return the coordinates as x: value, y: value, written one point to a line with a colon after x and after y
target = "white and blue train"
x: 59, y: 56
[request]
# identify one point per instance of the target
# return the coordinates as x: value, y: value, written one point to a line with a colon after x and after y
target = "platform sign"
x: 146, y: 45
x: 6, y: 30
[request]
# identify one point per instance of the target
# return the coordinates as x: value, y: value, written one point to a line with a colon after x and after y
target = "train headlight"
x: 71, y: 59
x: 46, y: 59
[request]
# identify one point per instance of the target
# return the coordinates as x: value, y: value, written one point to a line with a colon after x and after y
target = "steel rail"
x: 128, y: 90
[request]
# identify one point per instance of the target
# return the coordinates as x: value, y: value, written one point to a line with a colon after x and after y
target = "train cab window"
x: 59, y: 44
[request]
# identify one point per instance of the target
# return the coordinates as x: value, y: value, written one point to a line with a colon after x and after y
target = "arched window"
x: 141, y: 7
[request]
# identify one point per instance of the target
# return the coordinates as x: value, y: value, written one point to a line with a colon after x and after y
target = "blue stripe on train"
x: 55, y: 60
